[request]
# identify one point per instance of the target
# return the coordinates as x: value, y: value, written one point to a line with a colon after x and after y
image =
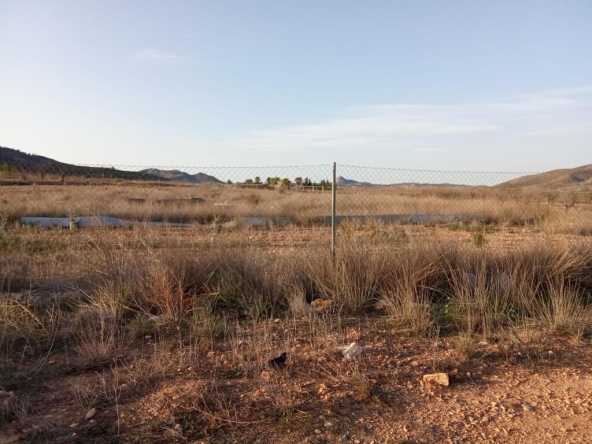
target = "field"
x: 568, y: 208
x: 145, y: 334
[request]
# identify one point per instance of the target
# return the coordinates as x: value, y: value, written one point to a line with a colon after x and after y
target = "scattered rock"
x: 92, y: 412
x: 328, y: 424
x: 527, y: 407
x: 323, y: 389
x: 73, y: 425
x: 415, y: 364
x: 437, y: 378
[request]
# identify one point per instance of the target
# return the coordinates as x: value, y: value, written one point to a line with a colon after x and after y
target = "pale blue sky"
x: 452, y: 85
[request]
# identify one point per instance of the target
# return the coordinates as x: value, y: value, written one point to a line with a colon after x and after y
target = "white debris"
x: 352, y: 350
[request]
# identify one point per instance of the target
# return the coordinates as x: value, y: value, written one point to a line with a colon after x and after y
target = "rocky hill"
x: 181, y: 176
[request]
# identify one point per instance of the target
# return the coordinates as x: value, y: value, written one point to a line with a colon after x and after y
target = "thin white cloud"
x: 378, y: 128
x: 561, y: 130
x: 155, y: 55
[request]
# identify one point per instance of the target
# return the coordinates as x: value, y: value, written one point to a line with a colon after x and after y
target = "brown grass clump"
x: 154, y: 320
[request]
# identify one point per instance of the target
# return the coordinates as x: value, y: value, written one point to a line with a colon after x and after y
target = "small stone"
x: 317, y: 431
x: 92, y: 412
x: 527, y: 407
x: 328, y: 424
x: 437, y: 378
x: 323, y: 389
x: 414, y: 364
x: 148, y: 337
x: 73, y: 425
x: 277, y: 321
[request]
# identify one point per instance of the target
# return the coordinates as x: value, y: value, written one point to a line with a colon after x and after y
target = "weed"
x: 478, y: 239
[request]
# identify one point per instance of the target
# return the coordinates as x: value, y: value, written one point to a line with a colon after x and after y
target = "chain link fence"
x: 294, y: 194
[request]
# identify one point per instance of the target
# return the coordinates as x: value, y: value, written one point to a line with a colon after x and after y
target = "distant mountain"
x: 554, y: 179
x: 181, y: 176
x: 21, y: 162
x: 343, y: 182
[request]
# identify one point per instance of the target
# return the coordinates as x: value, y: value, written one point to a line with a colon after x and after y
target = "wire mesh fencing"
x: 172, y: 195
x: 460, y: 198
x: 290, y: 194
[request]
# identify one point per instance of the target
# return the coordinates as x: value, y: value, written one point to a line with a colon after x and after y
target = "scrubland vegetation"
x: 164, y: 334
x: 568, y: 209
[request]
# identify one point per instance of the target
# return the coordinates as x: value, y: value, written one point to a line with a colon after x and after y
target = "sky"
x: 432, y: 85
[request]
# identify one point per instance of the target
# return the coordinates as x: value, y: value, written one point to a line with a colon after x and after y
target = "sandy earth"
x: 499, y: 395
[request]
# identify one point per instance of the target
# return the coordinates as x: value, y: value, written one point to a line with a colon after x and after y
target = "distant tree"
x: 42, y: 170
x: 272, y: 181
x: 298, y: 181
x: 570, y: 200
x: 229, y: 182
x: 63, y: 174
x: 6, y: 169
x: 249, y: 181
x: 257, y: 180
x: 286, y: 182
x: 551, y: 197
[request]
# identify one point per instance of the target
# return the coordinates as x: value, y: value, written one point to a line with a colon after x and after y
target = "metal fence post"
x: 333, y: 209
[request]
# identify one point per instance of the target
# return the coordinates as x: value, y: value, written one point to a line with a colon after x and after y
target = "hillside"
x: 20, y: 162
x: 181, y: 176
x: 554, y: 179
x: 343, y: 182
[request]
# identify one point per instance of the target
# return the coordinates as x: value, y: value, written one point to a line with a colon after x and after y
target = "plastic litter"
x: 352, y: 350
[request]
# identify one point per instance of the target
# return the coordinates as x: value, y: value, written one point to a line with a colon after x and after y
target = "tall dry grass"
x: 128, y: 287
x: 172, y: 203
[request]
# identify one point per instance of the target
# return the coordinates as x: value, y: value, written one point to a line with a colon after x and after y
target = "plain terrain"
x: 164, y: 334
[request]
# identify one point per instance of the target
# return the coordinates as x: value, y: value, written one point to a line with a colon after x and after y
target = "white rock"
x: 92, y: 412
x: 437, y: 378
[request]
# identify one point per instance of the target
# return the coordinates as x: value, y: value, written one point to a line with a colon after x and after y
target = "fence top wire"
x: 177, y: 167
x: 410, y: 170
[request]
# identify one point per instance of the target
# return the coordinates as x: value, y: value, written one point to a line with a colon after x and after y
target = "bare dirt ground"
x: 523, y: 387
x: 528, y: 390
